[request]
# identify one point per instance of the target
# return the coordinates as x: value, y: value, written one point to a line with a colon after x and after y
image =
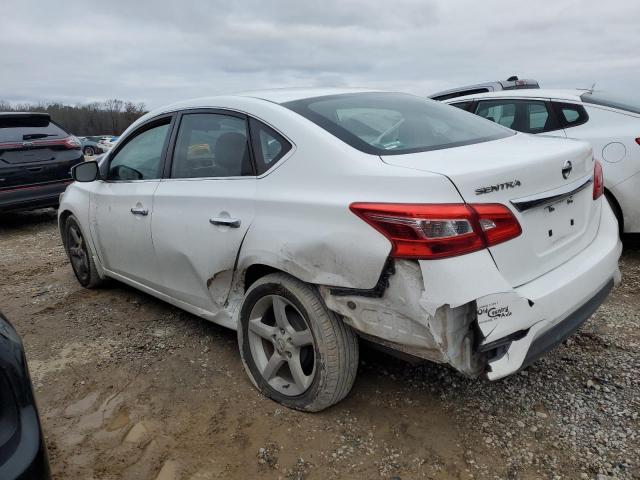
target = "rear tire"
x: 280, y: 312
x: 80, y: 255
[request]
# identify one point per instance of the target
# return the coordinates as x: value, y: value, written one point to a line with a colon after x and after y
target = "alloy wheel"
x: 282, y: 345
x: 78, y: 252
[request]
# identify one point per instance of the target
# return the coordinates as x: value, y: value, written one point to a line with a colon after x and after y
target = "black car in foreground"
x: 23, y: 454
x: 36, y: 156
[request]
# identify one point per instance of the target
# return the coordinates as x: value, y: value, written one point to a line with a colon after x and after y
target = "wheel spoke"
x: 76, y: 237
x: 279, y: 311
x: 273, y: 365
x: 301, y: 339
x: 261, y: 329
x: 299, y: 378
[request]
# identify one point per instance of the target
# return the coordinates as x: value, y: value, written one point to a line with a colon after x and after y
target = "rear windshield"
x: 628, y: 103
x: 22, y: 133
x: 395, y: 123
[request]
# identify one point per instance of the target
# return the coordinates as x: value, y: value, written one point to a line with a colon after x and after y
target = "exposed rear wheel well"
x: 256, y: 272
x: 616, y: 209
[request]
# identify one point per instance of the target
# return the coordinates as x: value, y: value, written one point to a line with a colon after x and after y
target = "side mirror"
x: 85, y: 172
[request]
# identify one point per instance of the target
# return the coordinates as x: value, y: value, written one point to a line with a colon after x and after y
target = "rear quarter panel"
x: 606, y: 127
x: 303, y: 224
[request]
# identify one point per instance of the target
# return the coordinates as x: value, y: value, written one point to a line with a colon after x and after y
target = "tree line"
x: 110, y: 117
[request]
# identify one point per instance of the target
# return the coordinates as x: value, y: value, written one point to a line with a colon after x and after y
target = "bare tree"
x: 112, y: 116
x: 114, y: 107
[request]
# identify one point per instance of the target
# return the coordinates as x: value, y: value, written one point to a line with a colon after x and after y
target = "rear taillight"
x: 598, y: 180
x: 72, y: 143
x: 638, y: 140
x: 431, y: 231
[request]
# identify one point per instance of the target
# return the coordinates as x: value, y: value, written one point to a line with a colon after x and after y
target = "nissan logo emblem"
x: 566, y: 169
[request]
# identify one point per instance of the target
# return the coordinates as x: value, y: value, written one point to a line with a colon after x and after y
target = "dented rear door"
x: 198, y: 226
x: 203, y: 210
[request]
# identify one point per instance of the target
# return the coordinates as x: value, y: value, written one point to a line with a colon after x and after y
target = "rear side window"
x: 211, y: 145
x: 529, y: 116
x: 10, y: 133
x: 395, y: 123
x: 570, y: 114
x: 268, y: 145
x: 618, y: 101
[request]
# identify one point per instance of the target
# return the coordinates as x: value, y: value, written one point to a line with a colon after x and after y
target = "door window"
x: 211, y: 145
x: 268, y: 146
x: 529, y: 116
x: 502, y: 113
x: 140, y: 158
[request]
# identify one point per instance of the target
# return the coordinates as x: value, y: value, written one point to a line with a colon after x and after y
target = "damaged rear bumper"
x: 461, y: 311
x: 546, y: 311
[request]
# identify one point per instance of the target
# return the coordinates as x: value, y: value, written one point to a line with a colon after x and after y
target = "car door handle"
x: 227, y: 222
x: 139, y: 211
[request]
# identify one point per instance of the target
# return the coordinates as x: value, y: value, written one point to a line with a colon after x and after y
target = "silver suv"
x: 511, y: 83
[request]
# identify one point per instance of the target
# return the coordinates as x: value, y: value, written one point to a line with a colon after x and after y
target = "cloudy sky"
x: 161, y: 51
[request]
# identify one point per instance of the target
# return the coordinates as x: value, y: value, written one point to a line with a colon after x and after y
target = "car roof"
x: 557, y: 94
x: 283, y: 95
x: 279, y: 95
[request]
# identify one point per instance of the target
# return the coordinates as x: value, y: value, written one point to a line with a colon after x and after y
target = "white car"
x: 107, y: 143
x: 306, y: 219
x: 609, y: 122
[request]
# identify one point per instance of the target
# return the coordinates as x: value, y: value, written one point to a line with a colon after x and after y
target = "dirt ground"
x: 130, y: 387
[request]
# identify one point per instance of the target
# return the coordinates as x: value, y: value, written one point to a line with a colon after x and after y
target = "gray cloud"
x: 159, y: 51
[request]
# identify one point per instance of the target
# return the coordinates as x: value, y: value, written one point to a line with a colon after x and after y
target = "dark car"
x: 23, y: 454
x: 36, y: 156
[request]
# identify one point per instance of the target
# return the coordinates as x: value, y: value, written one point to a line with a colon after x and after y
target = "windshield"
x: 396, y: 123
x: 613, y: 100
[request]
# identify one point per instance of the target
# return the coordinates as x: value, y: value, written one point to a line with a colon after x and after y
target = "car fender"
x: 76, y: 201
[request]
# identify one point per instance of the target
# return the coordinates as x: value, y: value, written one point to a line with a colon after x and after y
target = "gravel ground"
x: 130, y: 387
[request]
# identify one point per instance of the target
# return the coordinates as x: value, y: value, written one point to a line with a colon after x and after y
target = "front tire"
x: 80, y: 256
x: 294, y: 349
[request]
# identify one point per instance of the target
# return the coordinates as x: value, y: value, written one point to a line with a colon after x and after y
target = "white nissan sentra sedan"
x: 610, y: 122
x: 306, y: 219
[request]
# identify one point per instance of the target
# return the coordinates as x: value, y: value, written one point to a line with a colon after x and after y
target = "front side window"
x: 529, y: 116
x: 268, y: 145
x: 394, y: 123
x: 140, y: 157
x: 211, y: 145
x: 501, y: 113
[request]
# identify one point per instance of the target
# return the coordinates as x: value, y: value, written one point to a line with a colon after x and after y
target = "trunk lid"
x: 527, y: 174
